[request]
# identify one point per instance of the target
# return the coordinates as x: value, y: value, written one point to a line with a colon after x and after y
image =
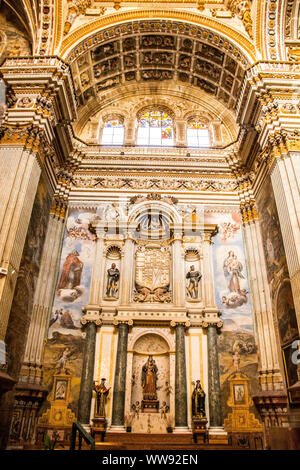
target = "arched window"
x: 113, y: 133
x: 155, y: 128
x: 197, y: 134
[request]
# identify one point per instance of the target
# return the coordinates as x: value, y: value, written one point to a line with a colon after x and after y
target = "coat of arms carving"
x: 152, y: 274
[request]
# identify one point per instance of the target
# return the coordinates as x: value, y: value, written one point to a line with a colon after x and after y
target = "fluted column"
x: 214, y: 390
x: 270, y: 377
x: 120, y: 375
x: 20, y: 174
x: 43, y: 296
x: 178, y: 271
x: 126, y: 269
x: 181, y: 415
x: 285, y: 176
x: 208, y: 274
x: 90, y: 321
x: 96, y: 289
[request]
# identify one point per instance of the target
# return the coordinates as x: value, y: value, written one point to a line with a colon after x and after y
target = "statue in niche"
x: 198, y: 401
x: 194, y: 277
x: 113, y: 276
x: 101, y: 396
x: 149, y: 379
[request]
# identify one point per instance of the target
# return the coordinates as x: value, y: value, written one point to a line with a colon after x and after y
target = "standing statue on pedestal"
x: 101, y: 396
x: 149, y: 379
x: 194, y: 280
x: 150, y: 402
x: 198, y: 401
x: 113, y: 275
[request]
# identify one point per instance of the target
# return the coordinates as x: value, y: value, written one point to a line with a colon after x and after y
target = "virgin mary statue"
x: 149, y: 378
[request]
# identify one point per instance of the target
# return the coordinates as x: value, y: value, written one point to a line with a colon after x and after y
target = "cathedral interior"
x: 150, y: 229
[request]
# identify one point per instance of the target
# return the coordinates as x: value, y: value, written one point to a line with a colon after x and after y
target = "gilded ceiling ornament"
x: 242, y: 9
x: 76, y: 8
x: 294, y: 53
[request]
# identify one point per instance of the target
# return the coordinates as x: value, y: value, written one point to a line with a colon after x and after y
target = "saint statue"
x: 113, y: 275
x: 198, y: 401
x: 149, y: 379
x: 71, y: 272
x: 101, y: 396
x: 194, y: 279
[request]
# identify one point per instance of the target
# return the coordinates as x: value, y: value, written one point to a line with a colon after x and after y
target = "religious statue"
x: 194, y: 279
x: 198, y: 401
x: 113, y: 275
x: 163, y: 410
x: 101, y: 396
x: 149, y: 379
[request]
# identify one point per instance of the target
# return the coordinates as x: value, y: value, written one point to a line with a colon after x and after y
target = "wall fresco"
x: 237, y: 339
x: 65, y: 339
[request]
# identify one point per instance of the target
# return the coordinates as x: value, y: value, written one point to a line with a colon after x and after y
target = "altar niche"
x: 150, y: 405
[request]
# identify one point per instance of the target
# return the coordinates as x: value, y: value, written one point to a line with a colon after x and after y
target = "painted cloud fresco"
x: 72, y: 290
x: 233, y: 300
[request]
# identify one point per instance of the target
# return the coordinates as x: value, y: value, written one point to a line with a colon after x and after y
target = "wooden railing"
x: 82, y: 435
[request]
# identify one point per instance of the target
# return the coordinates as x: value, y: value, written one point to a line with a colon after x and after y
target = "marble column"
x: 127, y: 269
x: 118, y: 409
x: 181, y: 416
x: 87, y: 375
x: 43, y: 296
x: 214, y: 390
x: 20, y: 173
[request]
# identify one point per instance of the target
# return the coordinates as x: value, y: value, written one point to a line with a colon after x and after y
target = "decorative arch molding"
x: 190, y: 117
x: 162, y: 206
x: 71, y: 41
x: 139, y: 334
x: 284, y: 290
x: 155, y: 107
x: 112, y: 117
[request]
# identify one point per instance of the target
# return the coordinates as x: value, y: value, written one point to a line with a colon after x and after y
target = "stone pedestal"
x: 99, y: 428
x: 199, y: 430
x: 150, y: 406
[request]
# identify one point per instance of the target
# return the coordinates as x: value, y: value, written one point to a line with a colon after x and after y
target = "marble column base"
x: 116, y: 429
x: 217, y: 430
x: 217, y: 435
x: 181, y: 430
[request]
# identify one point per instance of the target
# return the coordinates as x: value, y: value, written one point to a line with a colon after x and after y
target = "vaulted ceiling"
x: 157, y: 51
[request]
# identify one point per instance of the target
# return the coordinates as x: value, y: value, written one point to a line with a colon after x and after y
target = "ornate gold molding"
x: 86, y: 30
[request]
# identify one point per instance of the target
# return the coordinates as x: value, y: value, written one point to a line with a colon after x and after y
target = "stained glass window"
x: 155, y: 128
x: 197, y: 134
x: 113, y: 133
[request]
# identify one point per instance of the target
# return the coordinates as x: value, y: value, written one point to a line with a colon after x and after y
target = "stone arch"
x: 285, y: 312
